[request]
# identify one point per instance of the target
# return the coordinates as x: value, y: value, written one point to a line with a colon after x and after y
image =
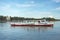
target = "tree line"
x: 4, y: 18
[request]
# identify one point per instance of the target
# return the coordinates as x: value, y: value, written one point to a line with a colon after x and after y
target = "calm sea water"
x: 8, y: 32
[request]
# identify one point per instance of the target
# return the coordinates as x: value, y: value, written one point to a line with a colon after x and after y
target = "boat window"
x: 38, y: 21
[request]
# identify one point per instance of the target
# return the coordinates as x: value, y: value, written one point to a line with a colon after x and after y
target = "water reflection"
x: 2, y: 24
x: 34, y: 28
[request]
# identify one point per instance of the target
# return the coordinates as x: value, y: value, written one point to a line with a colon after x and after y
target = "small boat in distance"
x: 33, y: 23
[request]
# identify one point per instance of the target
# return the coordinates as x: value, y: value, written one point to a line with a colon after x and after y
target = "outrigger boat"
x: 38, y: 23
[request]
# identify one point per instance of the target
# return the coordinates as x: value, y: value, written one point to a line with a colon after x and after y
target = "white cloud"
x: 25, y: 5
x: 45, y: 12
x: 37, y: 14
x: 30, y: 2
x: 57, y: 1
x: 6, y: 7
x: 7, y: 10
x: 28, y: 5
x: 58, y: 9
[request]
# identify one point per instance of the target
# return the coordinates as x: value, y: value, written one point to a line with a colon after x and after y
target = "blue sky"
x: 30, y: 8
